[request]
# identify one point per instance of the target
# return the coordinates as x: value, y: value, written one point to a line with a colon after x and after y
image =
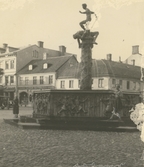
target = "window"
x: 45, y: 66
x: 51, y: 79
x: 35, y: 54
x: 12, y: 64
x: 44, y: 56
x: 79, y: 83
x: 92, y: 82
x: 120, y: 82
x: 62, y: 84
x: 26, y: 80
x: 138, y: 86
x: 6, y: 80
x: 21, y: 80
x: 34, y: 80
x: 41, y: 80
x: 133, y: 62
x: 0, y: 79
x: 71, y: 84
x: 134, y: 85
x: 0, y: 64
x: 128, y: 84
x: 30, y: 67
x: 101, y: 83
x: 71, y: 65
x: 6, y: 65
x: 113, y: 81
x: 11, y: 79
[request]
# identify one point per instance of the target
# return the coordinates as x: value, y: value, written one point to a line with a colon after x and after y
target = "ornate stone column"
x: 86, y: 40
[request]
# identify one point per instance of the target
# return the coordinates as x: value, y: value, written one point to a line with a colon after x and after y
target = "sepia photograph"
x: 72, y: 83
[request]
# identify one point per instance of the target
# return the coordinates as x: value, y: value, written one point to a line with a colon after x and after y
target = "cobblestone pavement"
x: 59, y: 148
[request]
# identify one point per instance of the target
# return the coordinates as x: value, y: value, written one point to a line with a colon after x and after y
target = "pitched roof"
x: 105, y: 68
x: 118, y: 69
x: 70, y: 71
x: 54, y: 63
x: 14, y: 51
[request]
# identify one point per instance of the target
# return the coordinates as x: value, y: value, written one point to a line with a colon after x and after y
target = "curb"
x: 64, y: 126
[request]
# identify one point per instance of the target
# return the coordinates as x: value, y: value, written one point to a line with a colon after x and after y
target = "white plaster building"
x: 106, y: 74
x: 135, y: 58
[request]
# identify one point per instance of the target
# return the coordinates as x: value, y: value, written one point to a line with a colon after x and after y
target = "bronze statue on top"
x: 88, y: 16
x: 86, y: 34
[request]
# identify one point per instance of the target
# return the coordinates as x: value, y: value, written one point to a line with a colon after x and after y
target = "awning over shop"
x: 36, y: 87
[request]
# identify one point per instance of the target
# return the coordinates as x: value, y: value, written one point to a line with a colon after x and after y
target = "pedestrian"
x: 117, y: 105
x: 16, y: 107
x: 30, y: 97
x: 88, y: 16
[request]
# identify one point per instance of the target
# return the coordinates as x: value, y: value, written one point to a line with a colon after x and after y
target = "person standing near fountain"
x: 88, y: 16
x: 117, y: 106
x: 16, y: 107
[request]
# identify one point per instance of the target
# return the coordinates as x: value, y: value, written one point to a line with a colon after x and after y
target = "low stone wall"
x: 77, y: 103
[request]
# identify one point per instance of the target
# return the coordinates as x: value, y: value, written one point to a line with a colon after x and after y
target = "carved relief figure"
x: 40, y: 103
x: 78, y: 107
x: 71, y: 106
x: 64, y: 108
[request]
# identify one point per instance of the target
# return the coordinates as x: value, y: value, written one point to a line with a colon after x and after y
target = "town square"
x: 72, y: 83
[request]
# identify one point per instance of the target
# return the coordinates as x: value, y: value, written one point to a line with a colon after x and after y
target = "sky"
x: 120, y: 25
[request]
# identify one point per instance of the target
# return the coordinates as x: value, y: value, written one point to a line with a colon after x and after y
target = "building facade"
x: 35, y: 68
x: 13, y: 59
x: 106, y: 75
x: 42, y: 75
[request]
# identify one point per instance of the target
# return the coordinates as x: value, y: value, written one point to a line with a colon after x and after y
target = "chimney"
x: 109, y: 57
x: 62, y: 50
x: 135, y: 49
x: 119, y: 58
x: 5, y: 45
x: 133, y: 62
x: 40, y: 44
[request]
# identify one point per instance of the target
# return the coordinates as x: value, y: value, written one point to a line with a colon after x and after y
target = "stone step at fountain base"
x: 72, y: 123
